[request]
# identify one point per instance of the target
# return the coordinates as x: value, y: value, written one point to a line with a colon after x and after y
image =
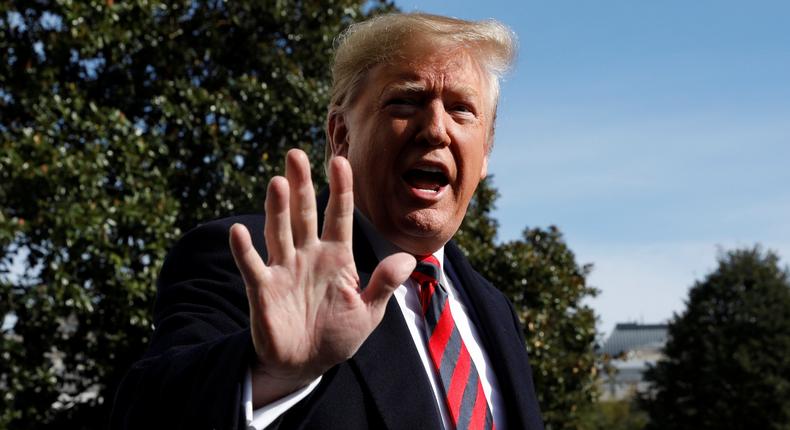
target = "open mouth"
x: 426, y: 178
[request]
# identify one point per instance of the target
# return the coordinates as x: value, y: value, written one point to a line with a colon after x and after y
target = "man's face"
x: 417, y: 139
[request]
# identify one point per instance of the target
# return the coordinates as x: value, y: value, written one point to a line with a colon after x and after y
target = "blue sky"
x: 653, y: 134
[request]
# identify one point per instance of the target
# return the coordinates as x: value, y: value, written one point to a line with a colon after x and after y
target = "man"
x: 337, y: 329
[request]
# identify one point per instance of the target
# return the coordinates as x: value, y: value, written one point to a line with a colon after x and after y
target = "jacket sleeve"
x: 193, y: 371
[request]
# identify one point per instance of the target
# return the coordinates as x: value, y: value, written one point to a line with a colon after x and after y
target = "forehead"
x: 431, y: 69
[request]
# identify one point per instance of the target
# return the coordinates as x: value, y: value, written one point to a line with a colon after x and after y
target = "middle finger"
x: 304, y: 220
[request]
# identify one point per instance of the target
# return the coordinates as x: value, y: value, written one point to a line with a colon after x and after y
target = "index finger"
x: 339, y: 216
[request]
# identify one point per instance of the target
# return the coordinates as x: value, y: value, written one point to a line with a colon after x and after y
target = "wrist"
x: 269, y: 386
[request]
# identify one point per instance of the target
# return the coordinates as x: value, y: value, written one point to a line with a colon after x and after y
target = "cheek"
x: 399, y: 127
x: 471, y: 157
x: 360, y: 152
x: 474, y: 169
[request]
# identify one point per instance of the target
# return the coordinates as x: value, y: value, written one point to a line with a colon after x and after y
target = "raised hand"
x: 307, y: 312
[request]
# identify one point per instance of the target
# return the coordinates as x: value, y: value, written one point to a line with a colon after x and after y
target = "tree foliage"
x: 726, y: 363
x: 123, y: 124
x: 540, y: 275
x: 614, y: 415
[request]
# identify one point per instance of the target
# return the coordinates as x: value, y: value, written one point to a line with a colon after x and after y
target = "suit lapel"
x: 387, y: 362
x: 393, y: 373
x: 492, y: 316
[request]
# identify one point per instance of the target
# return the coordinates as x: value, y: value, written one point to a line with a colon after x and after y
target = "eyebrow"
x: 406, y: 86
x: 416, y: 87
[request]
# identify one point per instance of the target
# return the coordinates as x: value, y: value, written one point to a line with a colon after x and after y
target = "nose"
x: 434, y: 126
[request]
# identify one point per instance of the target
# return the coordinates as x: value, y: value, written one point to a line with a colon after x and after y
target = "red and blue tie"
x: 463, y: 392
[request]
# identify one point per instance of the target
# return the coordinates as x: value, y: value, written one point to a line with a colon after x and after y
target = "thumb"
x: 389, y: 274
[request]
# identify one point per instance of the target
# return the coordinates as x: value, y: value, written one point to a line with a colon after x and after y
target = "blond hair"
x: 384, y: 38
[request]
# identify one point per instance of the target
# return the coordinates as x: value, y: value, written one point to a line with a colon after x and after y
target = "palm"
x: 307, y: 312
x: 316, y: 306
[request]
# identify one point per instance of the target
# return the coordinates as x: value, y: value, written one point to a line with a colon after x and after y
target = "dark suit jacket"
x: 192, y: 375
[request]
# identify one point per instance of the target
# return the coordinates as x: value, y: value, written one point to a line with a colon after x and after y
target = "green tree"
x: 122, y: 125
x: 726, y: 363
x: 613, y: 415
x: 540, y: 275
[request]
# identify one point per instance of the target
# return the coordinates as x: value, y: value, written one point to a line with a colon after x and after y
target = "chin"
x: 422, y: 233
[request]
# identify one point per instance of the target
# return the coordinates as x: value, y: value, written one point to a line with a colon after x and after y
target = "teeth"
x: 430, y: 169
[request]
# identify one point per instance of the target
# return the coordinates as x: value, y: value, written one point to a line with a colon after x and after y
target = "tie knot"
x: 427, y: 270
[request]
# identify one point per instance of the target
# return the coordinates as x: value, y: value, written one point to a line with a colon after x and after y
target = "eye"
x: 463, y: 111
x: 402, y: 107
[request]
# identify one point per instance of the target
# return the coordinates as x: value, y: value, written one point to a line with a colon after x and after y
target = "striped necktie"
x: 463, y: 392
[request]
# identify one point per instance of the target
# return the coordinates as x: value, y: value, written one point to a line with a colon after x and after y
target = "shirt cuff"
x: 259, y: 418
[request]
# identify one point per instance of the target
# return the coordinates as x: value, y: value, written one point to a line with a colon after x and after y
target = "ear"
x: 337, y: 134
x: 484, y: 168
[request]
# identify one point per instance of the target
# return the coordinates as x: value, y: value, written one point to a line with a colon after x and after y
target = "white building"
x: 631, y: 347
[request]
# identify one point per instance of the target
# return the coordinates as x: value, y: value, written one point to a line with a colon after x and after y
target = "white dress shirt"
x: 409, y: 303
